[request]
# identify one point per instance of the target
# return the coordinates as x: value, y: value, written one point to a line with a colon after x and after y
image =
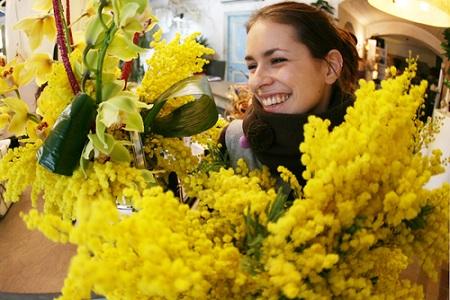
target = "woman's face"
x: 284, y: 76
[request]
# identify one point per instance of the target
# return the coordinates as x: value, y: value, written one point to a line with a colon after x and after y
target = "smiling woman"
x: 299, y: 65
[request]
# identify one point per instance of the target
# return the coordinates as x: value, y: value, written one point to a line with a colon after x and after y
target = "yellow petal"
x: 21, y: 75
x: 35, y: 34
x: 31, y: 128
x: 19, y: 109
x: 16, y: 105
x: 49, y: 27
x: 25, y: 24
x: 4, y: 120
x: 40, y: 65
x: 42, y: 5
x: 17, y: 125
x: 90, y: 9
x: 78, y: 40
x: 35, y: 28
x: 5, y: 87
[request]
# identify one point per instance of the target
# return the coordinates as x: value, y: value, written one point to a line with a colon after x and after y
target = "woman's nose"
x: 261, y: 77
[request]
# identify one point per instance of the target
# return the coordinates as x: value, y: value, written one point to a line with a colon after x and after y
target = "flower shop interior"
x: 387, y: 33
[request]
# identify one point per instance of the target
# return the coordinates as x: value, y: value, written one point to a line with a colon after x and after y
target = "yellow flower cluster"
x: 15, y: 169
x: 210, y: 136
x: 64, y: 196
x: 362, y: 217
x: 159, y: 252
x: 170, y: 155
x: 288, y: 177
x: 170, y: 63
x: 57, y: 94
x: 359, y: 199
x: 105, y: 181
x: 229, y: 196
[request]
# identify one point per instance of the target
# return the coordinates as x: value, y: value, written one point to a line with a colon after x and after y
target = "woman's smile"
x: 273, y: 99
x: 280, y: 69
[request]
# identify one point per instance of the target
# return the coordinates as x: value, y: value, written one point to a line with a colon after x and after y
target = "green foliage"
x: 215, y: 159
x: 419, y: 222
x: 324, y: 5
x: 446, y: 43
x: 257, y: 231
x: 63, y: 147
x: 189, y: 119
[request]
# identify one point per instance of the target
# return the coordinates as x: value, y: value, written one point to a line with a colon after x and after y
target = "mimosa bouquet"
x: 363, y: 216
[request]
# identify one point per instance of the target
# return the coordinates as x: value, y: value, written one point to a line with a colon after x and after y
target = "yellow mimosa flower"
x: 36, y: 28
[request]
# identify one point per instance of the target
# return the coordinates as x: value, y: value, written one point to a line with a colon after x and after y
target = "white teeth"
x: 276, y: 99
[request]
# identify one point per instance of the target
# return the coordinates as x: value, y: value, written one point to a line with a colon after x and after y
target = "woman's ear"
x: 335, y: 63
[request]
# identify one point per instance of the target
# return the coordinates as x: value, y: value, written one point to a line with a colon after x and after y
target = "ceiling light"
x: 430, y: 12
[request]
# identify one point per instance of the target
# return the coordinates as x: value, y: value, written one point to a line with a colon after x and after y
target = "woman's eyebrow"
x: 265, y: 54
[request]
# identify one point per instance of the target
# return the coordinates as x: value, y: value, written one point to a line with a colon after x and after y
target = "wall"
x: 402, y: 48
x: 209, y: 17
x: 405, y: 29
x: 360, y: 33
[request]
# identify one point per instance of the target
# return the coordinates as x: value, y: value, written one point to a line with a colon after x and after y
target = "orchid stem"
x: 61, y: 41
x: 101, y: 58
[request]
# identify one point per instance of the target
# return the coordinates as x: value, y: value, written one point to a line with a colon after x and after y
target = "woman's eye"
x: 278, y: 60
x: 251, y: 67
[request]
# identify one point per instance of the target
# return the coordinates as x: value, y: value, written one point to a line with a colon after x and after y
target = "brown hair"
x: 315, y: 30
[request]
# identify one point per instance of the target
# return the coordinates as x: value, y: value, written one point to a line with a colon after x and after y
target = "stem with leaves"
x: 61, y: 41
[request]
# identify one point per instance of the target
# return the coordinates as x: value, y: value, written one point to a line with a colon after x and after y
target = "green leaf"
x: 278, y: 207
x: 62, y: 149
x: 189, y: 119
